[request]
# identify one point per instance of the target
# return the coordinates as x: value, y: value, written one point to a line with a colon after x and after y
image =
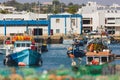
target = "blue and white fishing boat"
x: 75, y: 52
x: 24, y: 53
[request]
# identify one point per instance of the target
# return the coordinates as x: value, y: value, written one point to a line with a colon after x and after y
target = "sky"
x: 104, y: 2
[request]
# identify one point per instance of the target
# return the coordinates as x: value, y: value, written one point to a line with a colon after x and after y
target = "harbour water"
x: 56, y: 57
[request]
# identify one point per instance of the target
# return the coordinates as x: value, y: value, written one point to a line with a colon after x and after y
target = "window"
x: 57, y: 30
x: 111, y: 18
x: 23, y: 44
x: 27, y: 45
x: 57, y: 20
x: 86, y: 21
x: 17, y: 45
x: 111, y: 23
x: 90, y: 59
x: 73, y: 22
x: 104, y: 59
x: 111, y: 32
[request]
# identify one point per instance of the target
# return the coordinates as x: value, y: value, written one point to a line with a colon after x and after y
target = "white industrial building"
x: 97, y: 16
x: 22, y: 17
x: 59, y: 24
x: 66, y: 23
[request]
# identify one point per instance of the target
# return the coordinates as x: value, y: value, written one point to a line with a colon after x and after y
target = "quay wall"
x: 54, y: 39
x: 45, y: 39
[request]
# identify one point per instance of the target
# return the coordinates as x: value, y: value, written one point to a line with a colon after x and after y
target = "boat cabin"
x: 98, y: 58
x: 21, y: 45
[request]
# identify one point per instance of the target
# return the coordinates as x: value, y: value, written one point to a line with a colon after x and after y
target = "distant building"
x: 46, y: 3
x: 97, y: 16
x: 7, y: 8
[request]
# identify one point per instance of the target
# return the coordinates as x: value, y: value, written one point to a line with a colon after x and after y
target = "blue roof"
x: 65, y: 16
x: 23, y: 22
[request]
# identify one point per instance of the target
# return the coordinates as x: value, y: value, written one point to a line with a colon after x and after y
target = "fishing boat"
x: 98, y: 52
x: 39, y: 43
x: 24, y: 52
x: 75, y: 52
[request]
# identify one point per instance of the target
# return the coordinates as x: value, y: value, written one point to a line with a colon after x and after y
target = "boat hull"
x: 27, y: 57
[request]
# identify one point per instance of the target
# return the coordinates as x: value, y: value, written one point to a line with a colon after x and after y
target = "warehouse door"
x: 37, y: 31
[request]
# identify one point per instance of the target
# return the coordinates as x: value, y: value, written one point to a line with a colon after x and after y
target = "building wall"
x: 60, y: 25
x: 15, y: 29
x: 77, y: 27
x: 66, y: 24
x: 21, y: 29
x: 1, y: 30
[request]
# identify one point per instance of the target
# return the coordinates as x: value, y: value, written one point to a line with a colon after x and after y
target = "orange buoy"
x: 28, y: 38
x: 13, y: 39
x: 21, y: 64
x: 16, y: 37
x: 71, y: 56
x: 20, y: 38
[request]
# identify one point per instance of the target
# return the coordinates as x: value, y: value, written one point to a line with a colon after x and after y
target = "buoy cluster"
x: 21, y: 38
